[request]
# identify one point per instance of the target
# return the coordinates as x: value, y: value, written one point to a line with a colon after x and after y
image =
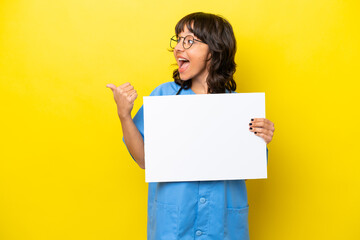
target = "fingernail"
x: 251, y: 128
x: 255, y: 132
x: 250, y: 124
x: 252, y: 119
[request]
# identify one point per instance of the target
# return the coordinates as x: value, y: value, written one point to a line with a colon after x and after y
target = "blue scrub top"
x: 194, y: 210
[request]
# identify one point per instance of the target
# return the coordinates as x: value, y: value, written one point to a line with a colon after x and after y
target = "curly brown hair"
x: 217, y: 32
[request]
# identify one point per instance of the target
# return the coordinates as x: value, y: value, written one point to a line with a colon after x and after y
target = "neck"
x: 199, y: 85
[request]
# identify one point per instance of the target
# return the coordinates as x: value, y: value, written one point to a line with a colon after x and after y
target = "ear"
x: 208, y: 60
x: 209, y: 56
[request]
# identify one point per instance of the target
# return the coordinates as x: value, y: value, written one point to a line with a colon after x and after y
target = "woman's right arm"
x: 124, y: 96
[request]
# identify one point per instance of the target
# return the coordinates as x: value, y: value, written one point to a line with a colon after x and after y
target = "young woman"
x: 204, y: 47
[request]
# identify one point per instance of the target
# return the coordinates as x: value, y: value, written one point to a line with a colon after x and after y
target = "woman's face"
x: 192, y: 61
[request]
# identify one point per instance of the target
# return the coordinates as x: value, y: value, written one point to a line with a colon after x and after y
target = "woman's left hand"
x: 263, y: 128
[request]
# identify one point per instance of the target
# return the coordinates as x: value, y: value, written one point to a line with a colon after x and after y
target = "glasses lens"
x: 188, y: 41
x: 173, y: 42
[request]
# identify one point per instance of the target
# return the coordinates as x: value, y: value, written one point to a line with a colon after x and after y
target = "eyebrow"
x: 187, y: 34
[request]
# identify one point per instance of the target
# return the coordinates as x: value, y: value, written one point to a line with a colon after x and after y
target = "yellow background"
x: 64, y: 170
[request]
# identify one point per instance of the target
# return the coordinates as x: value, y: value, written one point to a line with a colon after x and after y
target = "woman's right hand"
x: 124, y: 96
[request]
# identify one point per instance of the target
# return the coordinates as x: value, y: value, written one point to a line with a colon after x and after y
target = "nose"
x: 179, y: 46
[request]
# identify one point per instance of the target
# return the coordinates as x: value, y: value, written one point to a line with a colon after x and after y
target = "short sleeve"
x: 267, y: 155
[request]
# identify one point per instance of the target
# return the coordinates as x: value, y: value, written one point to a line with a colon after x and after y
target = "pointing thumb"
x: 112, y: 86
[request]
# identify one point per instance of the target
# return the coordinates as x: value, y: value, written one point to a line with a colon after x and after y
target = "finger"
x: 111, y: 86
x: 270, y: 124
x: 257, y: 119
x: 133, y: 97
x: 124, y: 85
x: 261, y: 130
x: 257, y: 124
x: 129, y: 93
x: 262, y: 124
x: 266, y: 138
x: 128, y: 88
x: 267, y: 121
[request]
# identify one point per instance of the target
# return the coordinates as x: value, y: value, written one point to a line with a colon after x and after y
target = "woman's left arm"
x: 263, y: 128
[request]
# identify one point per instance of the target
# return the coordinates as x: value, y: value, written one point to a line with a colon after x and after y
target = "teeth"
x: 182, y: 59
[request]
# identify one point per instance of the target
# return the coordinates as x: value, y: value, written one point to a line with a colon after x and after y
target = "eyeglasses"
x: 187, y: 43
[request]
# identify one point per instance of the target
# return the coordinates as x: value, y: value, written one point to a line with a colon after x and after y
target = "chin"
x: 184, y: 78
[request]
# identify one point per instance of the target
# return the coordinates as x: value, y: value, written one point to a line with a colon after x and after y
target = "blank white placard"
x: 203, y: 137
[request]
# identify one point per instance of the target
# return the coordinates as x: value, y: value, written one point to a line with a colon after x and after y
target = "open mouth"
x: 183, y: 64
